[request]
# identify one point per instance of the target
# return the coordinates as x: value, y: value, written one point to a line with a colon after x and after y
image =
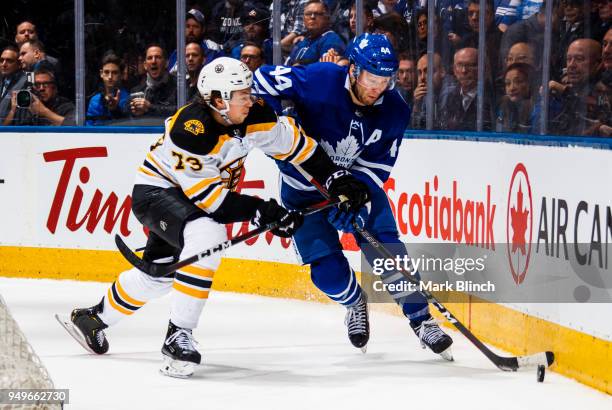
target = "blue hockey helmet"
x: 374, y: 53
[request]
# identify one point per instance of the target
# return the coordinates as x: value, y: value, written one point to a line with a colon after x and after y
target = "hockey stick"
x: 159, y: 270
x: 504, y: 363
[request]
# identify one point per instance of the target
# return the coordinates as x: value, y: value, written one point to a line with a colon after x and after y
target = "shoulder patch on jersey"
x: 194, y: 126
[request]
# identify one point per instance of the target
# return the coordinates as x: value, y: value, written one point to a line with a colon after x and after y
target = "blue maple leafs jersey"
x: 365, y: 140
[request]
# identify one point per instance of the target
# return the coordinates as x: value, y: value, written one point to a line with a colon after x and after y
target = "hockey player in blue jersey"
x: 357, y: 117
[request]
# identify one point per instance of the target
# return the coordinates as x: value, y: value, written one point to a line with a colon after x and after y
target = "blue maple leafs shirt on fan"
x: 359, y: 120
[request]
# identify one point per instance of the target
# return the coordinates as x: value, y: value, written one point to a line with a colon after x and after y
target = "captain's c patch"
x: 195, y: 127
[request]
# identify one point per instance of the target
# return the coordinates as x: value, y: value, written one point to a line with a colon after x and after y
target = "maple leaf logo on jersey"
x: 363, y: 43
x: 519, y: 223
x: 347, y: 150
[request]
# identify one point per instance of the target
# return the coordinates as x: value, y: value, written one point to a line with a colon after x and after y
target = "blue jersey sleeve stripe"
x: 369, y: 173
x: 264, y: 83
x: 369, y: 164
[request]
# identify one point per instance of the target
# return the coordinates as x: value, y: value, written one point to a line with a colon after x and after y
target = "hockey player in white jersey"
x: 184, y: 193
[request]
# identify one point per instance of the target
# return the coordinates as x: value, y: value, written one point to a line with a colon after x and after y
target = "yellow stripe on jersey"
x: 206, y: 182
x: 175, y: 117
x: 296, y: 138
x: 199, y: 294
x: 116, y: 306
x: 265, y: 126
x: 127, y: 297
x: 194, y: 270
x: 208, y: 202
x: 147, y: 172
x: 306, y: 151
x: 221, y: 141
x: 160, y: 168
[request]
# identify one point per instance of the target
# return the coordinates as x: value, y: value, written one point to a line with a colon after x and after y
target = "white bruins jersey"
x: 205, y: 159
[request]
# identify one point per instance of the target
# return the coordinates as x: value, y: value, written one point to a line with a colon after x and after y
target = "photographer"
x: 111, y: 102
x: 41, y: 105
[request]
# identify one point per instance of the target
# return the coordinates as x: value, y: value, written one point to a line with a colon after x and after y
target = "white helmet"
x: 224, y: 74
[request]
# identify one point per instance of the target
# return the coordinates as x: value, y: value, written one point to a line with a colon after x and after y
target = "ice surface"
x: 266, y: 353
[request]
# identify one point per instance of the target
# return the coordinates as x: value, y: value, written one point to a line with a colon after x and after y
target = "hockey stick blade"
x: 160, y: 270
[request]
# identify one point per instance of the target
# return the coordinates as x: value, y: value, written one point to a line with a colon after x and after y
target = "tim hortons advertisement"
x: 74, y: 191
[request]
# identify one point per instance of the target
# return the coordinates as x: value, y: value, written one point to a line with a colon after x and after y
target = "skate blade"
x: 74, y: 331
x: 364, y: 349
x: 447, y: 355
x: 177, y: 368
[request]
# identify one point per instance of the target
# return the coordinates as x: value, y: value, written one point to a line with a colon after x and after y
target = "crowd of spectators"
x: 131, y: 68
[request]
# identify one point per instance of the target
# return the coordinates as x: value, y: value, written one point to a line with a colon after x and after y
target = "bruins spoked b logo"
x: 194, y: 126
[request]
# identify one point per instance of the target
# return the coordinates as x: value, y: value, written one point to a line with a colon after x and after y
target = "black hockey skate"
x: 430, y: 335
x: 358, y: 323
x: 86, y: 327
x: 180, y: 354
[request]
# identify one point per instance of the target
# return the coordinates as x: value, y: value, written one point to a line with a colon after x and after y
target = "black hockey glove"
x: 343, y: 183
x: 270, y: 211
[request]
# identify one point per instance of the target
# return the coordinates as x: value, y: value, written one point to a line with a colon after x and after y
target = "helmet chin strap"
x: 223, y: 112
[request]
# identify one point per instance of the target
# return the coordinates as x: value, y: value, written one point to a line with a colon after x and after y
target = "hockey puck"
x: 541, y: 373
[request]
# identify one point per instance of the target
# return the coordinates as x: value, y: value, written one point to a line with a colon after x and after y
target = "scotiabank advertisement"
x: 537, y: 219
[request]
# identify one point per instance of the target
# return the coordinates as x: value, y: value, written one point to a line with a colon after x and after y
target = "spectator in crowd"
x: 194, y: 33
x: 195, y: 60
x: 575, y: 23
x: 26, y: 30
x: 46, y: 106
x: 226, y: 25
x: 156, y: 96
x: 568, y: 113
x: 368, y: 20
x: 493, y: 35
x: 440, y: 81
x: 506, y: 13
x: 368, y: 26
x: 606, y: 53
x: 528, y: 8
x: 386, y: 6
x: 318, y: 39
x: 441, y: 45
x: 406, y: 76
x: 11, y: 78
x: 292, y: 23
x: 459, y: 102
x: 531, y: 31
x: 604, y: 22
x: 252, y: 55
x: 111, y: 102
x: 599, y: 107
x: 255, y: 21
x: 397, y: 31
x: 515, y: 107
x: 520, y: 53
x: 32, y: 56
